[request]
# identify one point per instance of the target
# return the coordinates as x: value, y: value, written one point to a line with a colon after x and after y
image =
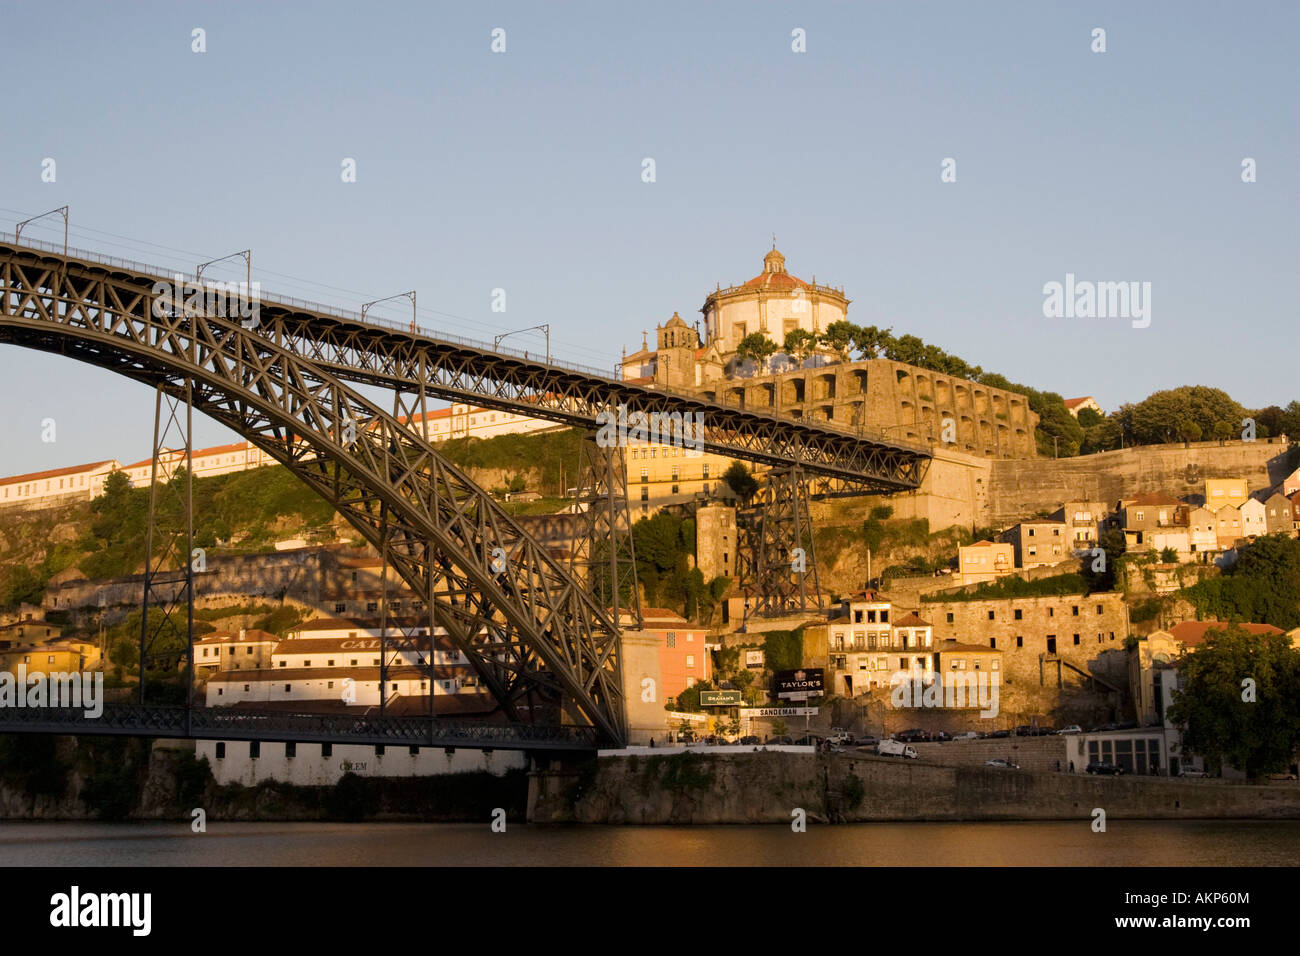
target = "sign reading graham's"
x: 798, y: 685
x: 721, y: 698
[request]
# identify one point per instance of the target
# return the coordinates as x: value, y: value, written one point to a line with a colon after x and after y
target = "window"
x: 379, y: 750
x: 950, y: 617
x: 284, y: 663
x: 330, y: 662
x: 340, y: 608
x: 1099, y: 610
x: 690, y: 660
x: 690, y: 682
x: 993, y: 643
x: 990, y: 615
x: 1051, y: 612
x: 286, y: 688
x: 415, y: 751
x: 291, y: 749
x: 1076, y: 640
x: 221, y: 750
x: 327, y: 750
x: 1075, y: 610
x: 254, y: 749
x: 1020, y: 641
x: 672, y: 639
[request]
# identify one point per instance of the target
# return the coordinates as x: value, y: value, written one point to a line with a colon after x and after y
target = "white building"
x: 320, y: 765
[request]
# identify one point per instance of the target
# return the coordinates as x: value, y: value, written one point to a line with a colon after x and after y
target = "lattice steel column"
x: 602, y: 552
x: 781, y: 578
x: 169, y: 541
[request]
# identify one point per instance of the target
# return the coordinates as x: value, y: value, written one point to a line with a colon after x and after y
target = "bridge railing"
x: 875, y: 436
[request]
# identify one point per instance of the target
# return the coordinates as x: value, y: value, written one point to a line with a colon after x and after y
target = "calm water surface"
x: 1126, y: 843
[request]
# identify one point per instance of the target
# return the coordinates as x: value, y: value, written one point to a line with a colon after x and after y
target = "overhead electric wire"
x: 132, y: 244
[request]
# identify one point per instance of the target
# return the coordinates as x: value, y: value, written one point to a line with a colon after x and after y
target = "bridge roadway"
x: 216, y: 723
x: 407, y: 357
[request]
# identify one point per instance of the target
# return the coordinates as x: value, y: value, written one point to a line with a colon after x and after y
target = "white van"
x: 894, y: 748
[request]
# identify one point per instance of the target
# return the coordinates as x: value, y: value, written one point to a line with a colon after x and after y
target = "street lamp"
x: 63, y: 210
x: 401, y: 295
x: 532, y: 328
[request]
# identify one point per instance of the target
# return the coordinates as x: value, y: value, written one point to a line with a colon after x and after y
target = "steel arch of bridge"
x: 527, y: 627
x: 403, y: 357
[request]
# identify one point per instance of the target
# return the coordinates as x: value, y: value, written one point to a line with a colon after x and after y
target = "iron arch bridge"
x: 539, y: 642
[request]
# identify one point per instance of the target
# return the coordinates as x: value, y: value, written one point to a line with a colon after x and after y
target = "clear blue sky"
x: 522, y: 171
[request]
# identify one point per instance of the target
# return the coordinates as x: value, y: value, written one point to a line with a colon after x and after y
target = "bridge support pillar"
x: 602, y: 552
x: 167, y: 636
x: 775, y: 558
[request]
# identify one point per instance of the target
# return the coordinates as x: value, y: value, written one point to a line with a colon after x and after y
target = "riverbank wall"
x: 767, y: 787
x: 106, y: 778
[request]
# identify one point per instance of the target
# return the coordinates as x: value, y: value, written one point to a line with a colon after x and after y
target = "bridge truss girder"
x: 526, y: 626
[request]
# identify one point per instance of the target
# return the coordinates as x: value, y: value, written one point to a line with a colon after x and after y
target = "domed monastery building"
x: 878, y: 397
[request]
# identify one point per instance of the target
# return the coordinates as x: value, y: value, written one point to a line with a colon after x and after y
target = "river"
x: 1126, y: 843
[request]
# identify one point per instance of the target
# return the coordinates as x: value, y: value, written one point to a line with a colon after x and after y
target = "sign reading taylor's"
x: 798, y: 685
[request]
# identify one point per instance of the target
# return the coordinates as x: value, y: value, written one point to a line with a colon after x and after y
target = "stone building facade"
x: 1081, y: 630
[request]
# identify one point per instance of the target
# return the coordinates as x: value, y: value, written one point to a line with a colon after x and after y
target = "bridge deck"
x: 219, y: 724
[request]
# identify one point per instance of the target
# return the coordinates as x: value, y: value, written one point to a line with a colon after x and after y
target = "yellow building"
x: 1229, y: 492
x: 985, y: 560
x: 66, y: 655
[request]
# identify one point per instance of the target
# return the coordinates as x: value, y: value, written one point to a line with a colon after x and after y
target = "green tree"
x: 1156, y: 419
x: 1088, y: 417
x: 870, y: 342
x: 799, y: 344
x: 1255, y: 731
x: 756, y: 347
x: 1189, y: 431
x: 838, y: 336
x: 741, y: 482
x: 1169, y: 555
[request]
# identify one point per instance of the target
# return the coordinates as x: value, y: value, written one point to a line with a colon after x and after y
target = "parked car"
x: 751, y: 741
x: 912, y: 736
x: 1071, y: 729
x: 1193, y: 773
x: 1000, y: 733
x: 867, y: 740
x: 999, y: 762
x: 1104, y: 768
x: 783, y: 739
x: 968, y: 735
x: 839, y: 735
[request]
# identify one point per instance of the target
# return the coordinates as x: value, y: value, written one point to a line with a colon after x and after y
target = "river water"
x: 1126, y: 843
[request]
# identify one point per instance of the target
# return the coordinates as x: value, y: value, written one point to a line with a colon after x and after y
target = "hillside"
x: 247, y: 512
